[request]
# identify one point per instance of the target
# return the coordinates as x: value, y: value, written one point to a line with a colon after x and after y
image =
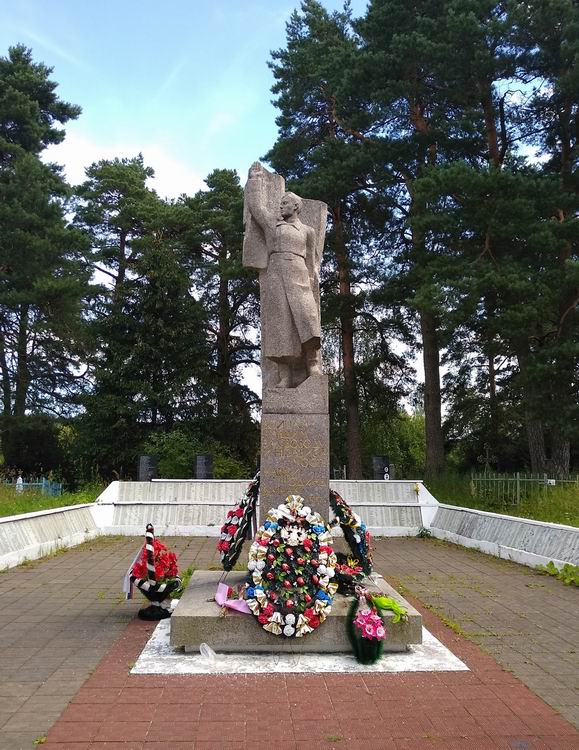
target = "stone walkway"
x: 65, y: 640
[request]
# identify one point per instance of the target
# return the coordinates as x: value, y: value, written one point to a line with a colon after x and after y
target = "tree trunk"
x: 536, y: 440
x: 432, y: 398
x: 493, y: 401
x: 121, y: 271
x: 560, y: 462
x: 6, y: 385
x: 353, y: 422
x: 22, y: 374
x: 223, y: 362
x: 486, y: 100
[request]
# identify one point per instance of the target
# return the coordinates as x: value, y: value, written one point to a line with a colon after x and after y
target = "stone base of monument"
x: 197, y: 620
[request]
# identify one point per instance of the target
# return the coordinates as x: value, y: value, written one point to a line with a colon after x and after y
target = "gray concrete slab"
x: 197, y: 619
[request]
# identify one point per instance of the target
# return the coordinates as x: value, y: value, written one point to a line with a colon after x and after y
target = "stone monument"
x: 284, y: 240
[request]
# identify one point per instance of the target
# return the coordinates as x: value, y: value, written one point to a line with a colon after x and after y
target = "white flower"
x: 322, y: 570
x: 357, y: 538
x: 289, y: 630
x: 330, y: 572
x: 260, y: 564
x: 233, y: 521
x: 251, y: 565
x: 290, y: 619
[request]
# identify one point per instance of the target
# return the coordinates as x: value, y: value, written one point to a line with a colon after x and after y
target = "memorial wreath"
x: 354, y: 529
x: 156, y: 575
x: 291, y: 564
x: 237, y: 523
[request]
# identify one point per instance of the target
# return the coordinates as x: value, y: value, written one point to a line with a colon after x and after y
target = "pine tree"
x: 321, y: 160
x: 150, y: 370
x: 44, y: 277
x: 210, y: 233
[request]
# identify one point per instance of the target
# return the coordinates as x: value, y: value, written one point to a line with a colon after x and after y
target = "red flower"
x: 232, y: 529
x: 230, y: 514
x: 314, y: 622
x: 307, y: 543
x: 263, y: 542
x: 327, y: 549
x: 224, y: 546
x: 140, y: 570
x: 165, y: 563
x: 268, y: 610
x: 309, y: 612
x: 239, y: 513
x: 263, y: 619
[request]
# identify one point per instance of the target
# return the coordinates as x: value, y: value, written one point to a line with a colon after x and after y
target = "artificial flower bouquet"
x: 366, y: 629
x: 156, y: 575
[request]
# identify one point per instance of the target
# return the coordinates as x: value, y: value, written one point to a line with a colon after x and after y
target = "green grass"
x: 12, y: 504
x: 559, y: 504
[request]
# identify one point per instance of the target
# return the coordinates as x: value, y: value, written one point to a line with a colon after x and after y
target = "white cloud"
x: 172, y: 176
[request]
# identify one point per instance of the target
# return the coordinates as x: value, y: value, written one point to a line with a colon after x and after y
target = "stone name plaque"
x: 295, y: 460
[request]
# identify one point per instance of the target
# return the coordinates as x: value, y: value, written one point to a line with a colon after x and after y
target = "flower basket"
x: 155, y: 574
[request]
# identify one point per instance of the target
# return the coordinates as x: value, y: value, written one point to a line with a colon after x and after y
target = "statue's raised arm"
x: 257, y: 201
x: 260, y: 217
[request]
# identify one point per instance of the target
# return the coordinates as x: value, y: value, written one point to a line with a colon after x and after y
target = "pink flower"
x: 370, y: 624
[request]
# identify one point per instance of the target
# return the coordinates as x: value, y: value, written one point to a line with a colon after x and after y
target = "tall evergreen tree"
x: 210, y: 233
x: 322, y: 161
x: 44, y: 277
x: 150, y: 368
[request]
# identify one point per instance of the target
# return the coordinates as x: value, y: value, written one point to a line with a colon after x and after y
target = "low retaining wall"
x: 33, y: 535
x: 197, y: 508
x: 519, y: 539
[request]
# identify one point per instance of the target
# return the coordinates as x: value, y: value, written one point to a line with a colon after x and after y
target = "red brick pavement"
x: 484, y: 709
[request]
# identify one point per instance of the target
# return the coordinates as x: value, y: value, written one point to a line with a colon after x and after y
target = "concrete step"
x: 197, y: 619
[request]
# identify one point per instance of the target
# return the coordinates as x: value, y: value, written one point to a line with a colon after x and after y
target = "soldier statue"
x: 288, y: 256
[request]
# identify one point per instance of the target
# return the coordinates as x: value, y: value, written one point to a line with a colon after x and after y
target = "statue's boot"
x: 313, y: 364
x: 284, y: 376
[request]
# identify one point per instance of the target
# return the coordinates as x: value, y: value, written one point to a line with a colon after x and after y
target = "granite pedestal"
x: 197, y: 619
x: 295, y: 439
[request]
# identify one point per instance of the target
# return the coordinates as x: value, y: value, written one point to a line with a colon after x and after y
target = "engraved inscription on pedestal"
x: 295, y: 460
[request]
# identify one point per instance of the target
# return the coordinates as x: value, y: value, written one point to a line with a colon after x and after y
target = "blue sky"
x: 185, y: 82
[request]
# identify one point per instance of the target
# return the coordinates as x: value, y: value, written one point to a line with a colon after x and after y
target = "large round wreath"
x: 291, y: 564
x: 234, y: 530
x: 354, y: 529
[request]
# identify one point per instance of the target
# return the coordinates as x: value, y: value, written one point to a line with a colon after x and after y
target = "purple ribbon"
x: 239, y: 605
